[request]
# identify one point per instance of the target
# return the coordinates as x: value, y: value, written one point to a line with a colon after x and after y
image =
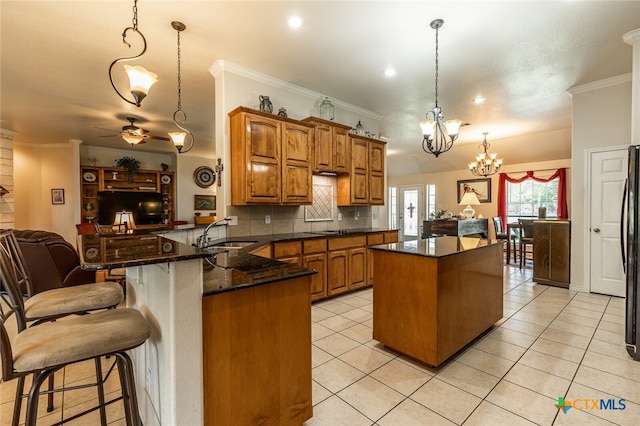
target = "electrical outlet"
x: 267, y: 219
x: 233, y: 220
x: 339, y: 216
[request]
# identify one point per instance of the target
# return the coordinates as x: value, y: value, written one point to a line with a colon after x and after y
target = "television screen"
x: 145, y: 206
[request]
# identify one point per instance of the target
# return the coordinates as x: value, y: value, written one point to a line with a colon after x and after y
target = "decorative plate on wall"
x: 89, y: 177
x: 204, y: 176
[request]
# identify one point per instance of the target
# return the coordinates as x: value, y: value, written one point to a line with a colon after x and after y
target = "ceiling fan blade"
x: 108, y: 130
x: 160, y: 138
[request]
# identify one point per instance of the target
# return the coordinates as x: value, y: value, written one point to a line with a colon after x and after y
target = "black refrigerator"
x: 629, y: 243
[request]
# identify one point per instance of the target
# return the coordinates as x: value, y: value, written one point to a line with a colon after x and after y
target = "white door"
x: 608, y: 172
x: 411, y: 211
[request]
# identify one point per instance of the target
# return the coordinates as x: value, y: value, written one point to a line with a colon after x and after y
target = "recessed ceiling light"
x: 295, y: 22
x: 479, y: 99
x: 389, y: 72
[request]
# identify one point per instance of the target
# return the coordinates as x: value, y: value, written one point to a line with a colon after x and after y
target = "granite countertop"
x: 437, y: 246
x: 122, y: 250
x: 223, y: 269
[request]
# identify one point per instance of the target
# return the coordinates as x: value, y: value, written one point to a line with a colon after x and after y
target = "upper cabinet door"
x: 262, y: 144
x: 323, y: 148
x: 342, y: 152
x: 297, y: 141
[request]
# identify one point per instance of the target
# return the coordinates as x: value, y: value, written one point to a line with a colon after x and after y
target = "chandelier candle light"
x: 485, y: 164
x: 140, y: 80
x: 438, y: 136
x: 179, y: 138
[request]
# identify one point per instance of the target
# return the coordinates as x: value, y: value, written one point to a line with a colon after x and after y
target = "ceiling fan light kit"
x: 438, y: 135
x: 140, y: 79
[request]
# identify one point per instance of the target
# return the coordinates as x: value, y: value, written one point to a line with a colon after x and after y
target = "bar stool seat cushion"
x: 67, y: 300
x: 74, y: 339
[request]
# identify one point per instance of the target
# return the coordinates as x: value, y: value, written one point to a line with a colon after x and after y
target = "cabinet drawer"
x: 375, y: 239
x: 314, y: 246
x: 287, y: 249
x: 347, y: 242
x: 391, y: 237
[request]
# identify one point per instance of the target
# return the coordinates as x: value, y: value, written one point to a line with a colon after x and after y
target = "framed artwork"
x: 204, y: 202
x: 482, y: 188
x: 57, y: 196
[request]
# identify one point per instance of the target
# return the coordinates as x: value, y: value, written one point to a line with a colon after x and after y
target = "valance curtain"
x: 561, y: 174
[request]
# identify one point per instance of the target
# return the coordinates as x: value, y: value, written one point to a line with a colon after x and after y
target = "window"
x: 524, y: 199
x: 431, y: 199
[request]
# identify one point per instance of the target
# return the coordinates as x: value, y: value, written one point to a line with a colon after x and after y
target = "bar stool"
x: 50, y: 304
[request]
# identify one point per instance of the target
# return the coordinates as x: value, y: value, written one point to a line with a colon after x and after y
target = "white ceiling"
x: 522, y: 56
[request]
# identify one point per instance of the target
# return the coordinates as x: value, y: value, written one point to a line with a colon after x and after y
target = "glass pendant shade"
x: 427, y: 127
x: 140, y: 81
x: 453, y: 127
x: 178, y: 139
x: 132, y: 139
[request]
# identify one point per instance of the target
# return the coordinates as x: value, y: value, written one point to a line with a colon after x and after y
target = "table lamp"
x: 125, y: 219
x: 470, y: 199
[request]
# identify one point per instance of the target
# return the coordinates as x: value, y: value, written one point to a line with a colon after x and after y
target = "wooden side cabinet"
x: 364, y: 185
x: 331, y: 146
x: 552, y: 252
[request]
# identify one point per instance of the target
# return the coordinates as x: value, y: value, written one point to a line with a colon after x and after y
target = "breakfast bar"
x: 433, y: 296
x: 230, y: 331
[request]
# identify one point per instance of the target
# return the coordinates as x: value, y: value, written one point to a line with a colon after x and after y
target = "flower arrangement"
x: 129, y: 163
x: 439, y: 214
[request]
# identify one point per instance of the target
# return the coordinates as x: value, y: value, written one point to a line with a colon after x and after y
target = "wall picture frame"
x: 57, y: 196
x: 482, y: 188
x: 204, y: 202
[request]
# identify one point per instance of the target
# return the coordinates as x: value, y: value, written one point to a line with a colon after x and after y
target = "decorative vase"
x: 265, y: 104
x: 327, y: 110
x: 360, y: 129
x: 88, y: 207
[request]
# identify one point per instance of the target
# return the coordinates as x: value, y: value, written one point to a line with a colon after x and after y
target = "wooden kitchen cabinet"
x: 288, y: 251
x: 552, y: 252
x: 331, y: 146
x: 347, y: 264
x: 364, y: 185
x: 315, y: 257
x: 270, y: 159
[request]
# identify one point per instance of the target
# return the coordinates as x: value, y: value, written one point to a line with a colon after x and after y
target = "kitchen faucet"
x: 201, y: 242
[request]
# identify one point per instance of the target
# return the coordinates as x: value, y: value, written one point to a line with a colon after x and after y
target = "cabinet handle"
x: 596, y: 230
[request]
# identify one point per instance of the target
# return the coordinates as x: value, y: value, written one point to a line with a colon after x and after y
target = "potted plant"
x: 130, y: 164
x: 438, y: 215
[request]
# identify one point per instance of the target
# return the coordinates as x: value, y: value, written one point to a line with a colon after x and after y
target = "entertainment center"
x: 148, y: 194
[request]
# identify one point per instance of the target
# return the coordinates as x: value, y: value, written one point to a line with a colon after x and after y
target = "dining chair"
x: 526, y: 240
x: 501, y: 234
x: 49, y: 305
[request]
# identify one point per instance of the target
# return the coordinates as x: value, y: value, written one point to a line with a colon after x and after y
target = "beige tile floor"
x: 551, y: 343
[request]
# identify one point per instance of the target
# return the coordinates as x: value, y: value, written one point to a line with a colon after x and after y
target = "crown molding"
x: 600, y: 84
x: 631, y: 36
x: 221, y: 66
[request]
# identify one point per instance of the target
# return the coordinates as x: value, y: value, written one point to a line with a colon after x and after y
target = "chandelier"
x: 485, y: 164
x: 179, y: 138
x: 438, y: 135
x: 140, y: 80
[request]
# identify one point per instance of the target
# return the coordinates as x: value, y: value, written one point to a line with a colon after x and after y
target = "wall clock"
x: 204, y: 176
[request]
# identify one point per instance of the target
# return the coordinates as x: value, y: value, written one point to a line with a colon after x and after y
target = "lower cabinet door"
x: 338, y: 272
x: 318, y: 262
x: 357, y: 267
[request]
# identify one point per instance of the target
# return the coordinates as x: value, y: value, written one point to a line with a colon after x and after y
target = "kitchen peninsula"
x: 433, y: 296
x: 231, y: 332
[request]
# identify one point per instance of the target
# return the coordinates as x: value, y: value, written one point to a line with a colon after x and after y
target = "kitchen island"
x: 433, y: 296
x: 231, y: 332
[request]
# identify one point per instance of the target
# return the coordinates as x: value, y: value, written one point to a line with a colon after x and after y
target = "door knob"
x: 596, y: 230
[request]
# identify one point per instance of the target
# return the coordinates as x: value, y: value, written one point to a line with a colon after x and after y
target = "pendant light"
x: 485, y: 164
x: 438, y: 135
x: 179, y: 138
x: 140, y: 80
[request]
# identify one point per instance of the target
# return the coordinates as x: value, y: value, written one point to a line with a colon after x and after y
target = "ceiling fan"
x: 135, y: 135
